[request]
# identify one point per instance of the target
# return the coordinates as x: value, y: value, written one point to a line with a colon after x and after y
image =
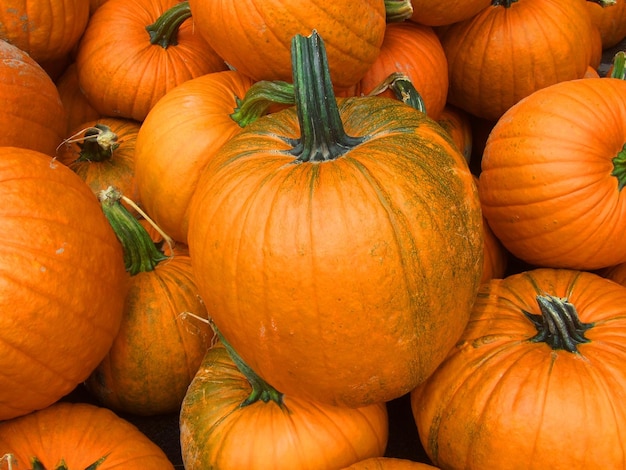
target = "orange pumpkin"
x: 80, y: 436
x: 616, y: 273
x: 77, y: 108
x: 45, y: 30
x: 32, y: 109
x: 162, y: 338
x: 389, y: 463
x: 458, y: 124
x: 62, y: 281
x: 415, y: 51
x: 231, y: 419
x: 540, y: 365
x: 552, y: 175
x: 321, y: 235
x: 610, y: 21
x: 435, y: 13
x: 132, y: 53
x: 254, y: 37
x: 507, y: 51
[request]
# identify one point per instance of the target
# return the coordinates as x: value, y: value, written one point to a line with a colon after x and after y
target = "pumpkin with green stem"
x: 540, y: 366
x: 232, y: 419
x: 161, y: 342
x: 133, y: 53
x: 326, y: 239
x: 553, y: 175
x: 77, y: 436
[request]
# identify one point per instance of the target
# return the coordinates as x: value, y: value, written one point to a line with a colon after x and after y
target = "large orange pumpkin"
x: 62, y: 281
x: 81, y: 436
x: 45, y: 29
x: 254, y: 37
x: 553, y: 173
x: 32, y: 110
x: 610, y: 21
x: 231, y: 419
x: 536, y: 381
x: 133, y: 53
x: 509, y: 49
x: 326, y: 242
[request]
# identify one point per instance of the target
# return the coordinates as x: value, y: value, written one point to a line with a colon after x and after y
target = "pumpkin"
x: 181, y: 134
x: 77, y: 108
x: 615, y: 273
x: 62, y: 281
x: 254, y: 37
x: 540, y: 365
x: 389, y: 463
x: 77, y: 436
x: 320, y: 245
x: 102, y: 153
x: 507, y: 51
x: 232, y: 419
x: 458, y: 124
x: 132, y: 53
x: 433, y: 13
x: 45, y: 30
x: 416, y: 52
x: 610, y: 20
x: 32, y: 109
x: 553, y: 170
x: 161, y: 341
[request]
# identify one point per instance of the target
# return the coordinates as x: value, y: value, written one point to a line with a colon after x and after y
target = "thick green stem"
x: 403, y: 89
x: 261, y: 390
x: 140, y: 252
x: 619, y: 168
x: 259, y: 98
x: 164, y: 31
x: 558, y: 325
x: 398, y: 10
x: 322, y: 136
x: 618, y: 70
x: 98, y: 144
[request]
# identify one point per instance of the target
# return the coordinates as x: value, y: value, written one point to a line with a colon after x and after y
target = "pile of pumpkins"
x: 274, y: 218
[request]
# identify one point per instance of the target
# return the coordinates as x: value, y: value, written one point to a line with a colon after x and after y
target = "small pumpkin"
x: 541, y: 365
x: 62, y: 281
x: 77, y: 436
x: 389, y: 463
x: 553, y: 172
x: 132, y: 53
x: 320, y: 247
x: 231, y: 419
x: 254, y: 37
x: 32, y: 109
x: 508, y: 50
x: 162, y: 338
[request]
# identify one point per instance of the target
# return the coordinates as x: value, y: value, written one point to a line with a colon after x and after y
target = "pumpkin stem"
x: 618, y: 70
x: 259, y: 98
x: 322, y: 137
x: 164, y: 31
x: 97, y: 143
x: 261, y: 390
x: 37, y: 465
x: 503, y: 3
x: 619, y: 168
x: 558, y: 325
x: 604, y: 3
x: 140, y: 252
x: 396, y: 11
x: 403, y: 89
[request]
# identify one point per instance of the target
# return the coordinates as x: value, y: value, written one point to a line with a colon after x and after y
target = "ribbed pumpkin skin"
x: 62, y: 281
x: 546, y: 185
x: 434, y: 13
x: 389, y: 463
x: 332, y: 280
x: 45, y: 29
x: 501, y: 55
x: 80, y: 434
x: 611, y: 21
x: 192, y: 120
x: 217, y: 433
x: 254, y: 37
x: 32, y: 110
x: 158, y: 349
x: 414, y: 50
x: 121, y: 73
x: 502, y: 401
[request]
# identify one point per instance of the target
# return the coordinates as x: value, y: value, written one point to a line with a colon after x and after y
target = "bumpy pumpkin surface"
x: 62, y: 281
x: 81, y: 435
x: 332, y: 278
x: 536, y: 381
